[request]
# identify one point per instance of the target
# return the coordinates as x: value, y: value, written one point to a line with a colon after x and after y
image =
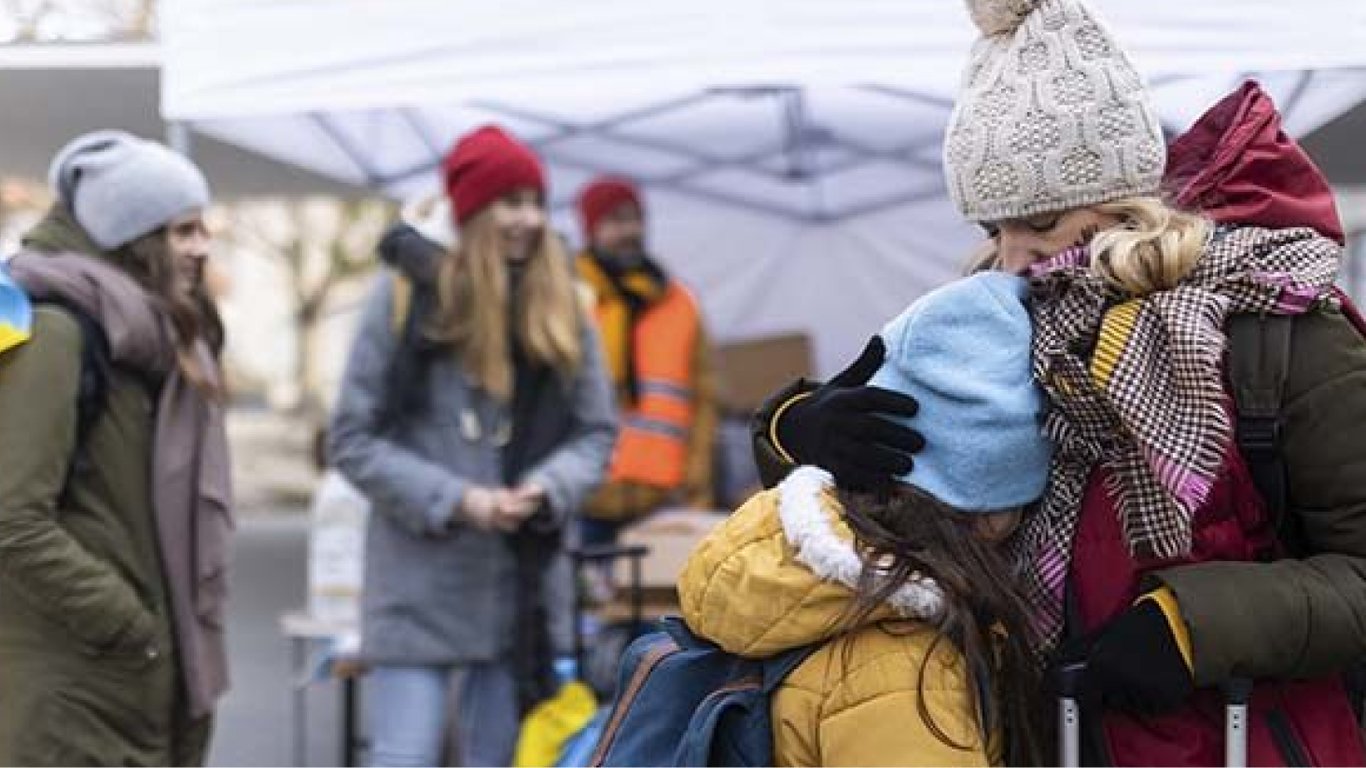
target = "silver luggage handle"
x: 1069, y: 713
x: 1237, y: 694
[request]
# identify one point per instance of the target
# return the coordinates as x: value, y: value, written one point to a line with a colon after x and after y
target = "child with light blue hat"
x: 903, y: 596
x: 963, y: 353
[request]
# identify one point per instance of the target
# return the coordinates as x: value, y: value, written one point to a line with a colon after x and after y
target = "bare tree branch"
x: 320, y: 245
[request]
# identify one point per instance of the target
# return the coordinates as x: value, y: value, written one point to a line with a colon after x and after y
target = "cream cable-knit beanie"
x: 1052, y: 115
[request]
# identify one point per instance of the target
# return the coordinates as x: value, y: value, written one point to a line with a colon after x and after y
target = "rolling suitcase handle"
x: 607, y: 553
x: 1069, y: 713
x: 1237, y: 693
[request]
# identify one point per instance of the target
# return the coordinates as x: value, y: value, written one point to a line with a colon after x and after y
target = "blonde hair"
x: 473, y: 316
x: 1153, y: 248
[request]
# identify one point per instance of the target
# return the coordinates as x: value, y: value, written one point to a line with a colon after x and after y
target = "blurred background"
x: 789, y: 153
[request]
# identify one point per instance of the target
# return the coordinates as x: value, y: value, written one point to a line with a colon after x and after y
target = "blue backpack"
x: 683, y: 701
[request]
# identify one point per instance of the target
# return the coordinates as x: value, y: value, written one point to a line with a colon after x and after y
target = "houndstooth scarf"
x: 1136, y: 387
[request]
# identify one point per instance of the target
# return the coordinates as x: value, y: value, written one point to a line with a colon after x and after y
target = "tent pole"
x: 179, y: 139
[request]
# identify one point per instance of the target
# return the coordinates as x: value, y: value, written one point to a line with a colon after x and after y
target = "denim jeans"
x: 407, y: 714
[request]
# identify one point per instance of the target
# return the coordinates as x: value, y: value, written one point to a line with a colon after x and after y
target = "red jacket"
x: 1236, y: 166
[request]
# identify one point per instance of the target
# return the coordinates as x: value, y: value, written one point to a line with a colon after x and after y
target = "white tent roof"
x: 790, y: 149
x: 53, y: 92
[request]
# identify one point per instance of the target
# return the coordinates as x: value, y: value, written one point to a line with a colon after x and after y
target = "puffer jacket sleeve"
x: 39, y: 560
x: 421, y: 495
x: 1298, y: 617
x: 572, y: 471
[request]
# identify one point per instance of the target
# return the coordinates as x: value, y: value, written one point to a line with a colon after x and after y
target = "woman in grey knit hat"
x: 1157, y: 531
x: 115, y: 497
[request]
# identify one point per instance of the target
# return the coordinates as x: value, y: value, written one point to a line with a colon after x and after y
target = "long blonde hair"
x: 473, y: 295
x: 1152, y: 249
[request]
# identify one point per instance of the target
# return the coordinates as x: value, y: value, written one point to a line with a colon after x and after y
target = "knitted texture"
x: 602, y: 197
x: 120, y: 187
x: 486, y: 164
x: 1051, y: 116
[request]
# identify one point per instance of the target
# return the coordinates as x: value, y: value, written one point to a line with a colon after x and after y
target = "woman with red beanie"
x: 476, y: 416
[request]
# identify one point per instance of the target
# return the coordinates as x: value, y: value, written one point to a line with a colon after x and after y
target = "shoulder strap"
x: 1259, y: 363
x: 95, y: 365
x: 408, y: 367
x: 93, y: 386
x: 777, y: 668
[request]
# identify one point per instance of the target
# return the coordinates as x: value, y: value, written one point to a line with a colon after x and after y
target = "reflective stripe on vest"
x: 652, y: 447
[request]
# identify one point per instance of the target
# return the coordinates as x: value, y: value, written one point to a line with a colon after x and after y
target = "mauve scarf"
x: 191, y: 476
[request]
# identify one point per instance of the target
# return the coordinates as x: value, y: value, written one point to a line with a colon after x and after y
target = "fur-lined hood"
x: 780, y: 573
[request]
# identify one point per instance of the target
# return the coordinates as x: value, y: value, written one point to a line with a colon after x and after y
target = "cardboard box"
x: 750, y: 371
x: 671, y: 535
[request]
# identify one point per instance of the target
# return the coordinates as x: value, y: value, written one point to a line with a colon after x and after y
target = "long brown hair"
x: 904, y: 534
x: 193, y: 317
x: 473, y: 313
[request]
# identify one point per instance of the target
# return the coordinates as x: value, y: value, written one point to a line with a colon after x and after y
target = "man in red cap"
x: 657, y: 353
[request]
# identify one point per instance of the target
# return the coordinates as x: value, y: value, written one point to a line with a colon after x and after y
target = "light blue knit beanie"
x: 963, y: 352
x: 120, y: 187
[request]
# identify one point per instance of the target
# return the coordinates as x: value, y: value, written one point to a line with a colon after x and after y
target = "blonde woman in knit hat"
x: 476, y: 415
x: 1153, y: 540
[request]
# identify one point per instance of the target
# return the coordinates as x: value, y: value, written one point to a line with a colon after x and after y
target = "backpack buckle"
x: 1260, y: 435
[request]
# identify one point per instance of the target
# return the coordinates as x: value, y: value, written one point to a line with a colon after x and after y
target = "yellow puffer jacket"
x: 777, y: 576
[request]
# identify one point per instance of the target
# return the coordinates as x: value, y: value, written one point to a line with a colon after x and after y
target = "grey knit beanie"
x: 1052, y: 115
x: 120, y: 187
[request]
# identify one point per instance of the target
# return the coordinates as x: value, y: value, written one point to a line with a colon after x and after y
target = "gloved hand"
x: 838, y: 426
x: 1133, y: 663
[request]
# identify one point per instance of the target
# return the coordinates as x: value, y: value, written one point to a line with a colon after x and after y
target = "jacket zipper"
x: 647, y: 665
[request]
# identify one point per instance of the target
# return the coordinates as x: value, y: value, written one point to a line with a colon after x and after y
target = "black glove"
x: 1133, y: 663
x: 838, y: 426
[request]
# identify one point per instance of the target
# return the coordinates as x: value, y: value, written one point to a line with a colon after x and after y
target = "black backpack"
x: 1259, y: 364
x: 92, y: 391
x: 1258, y: 367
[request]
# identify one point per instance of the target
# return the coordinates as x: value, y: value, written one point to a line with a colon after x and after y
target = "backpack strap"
x: 407, y: 371
x: 93, y: 387
x: 1259, y: 364
x: 774, y: 668
x: 777, y: 668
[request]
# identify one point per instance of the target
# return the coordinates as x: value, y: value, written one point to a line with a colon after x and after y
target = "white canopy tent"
x: 790, y: 149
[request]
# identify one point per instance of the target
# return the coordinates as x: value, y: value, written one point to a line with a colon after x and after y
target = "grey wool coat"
x: 438, y: 591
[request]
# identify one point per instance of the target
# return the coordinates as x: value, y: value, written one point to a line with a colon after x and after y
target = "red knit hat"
x: 483, y: 166
x: 601, y: 197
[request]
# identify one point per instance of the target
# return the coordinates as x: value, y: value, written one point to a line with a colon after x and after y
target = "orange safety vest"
x: 652, y: 446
